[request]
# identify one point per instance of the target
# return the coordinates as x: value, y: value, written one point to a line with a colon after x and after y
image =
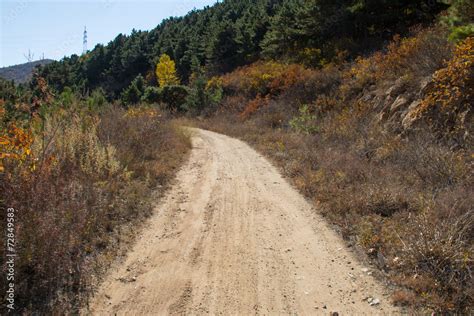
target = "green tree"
x: 174, y: 96
x: 222, y: 52
x: 280, y: 38
x: 151, y: 95
x: 134, y: 92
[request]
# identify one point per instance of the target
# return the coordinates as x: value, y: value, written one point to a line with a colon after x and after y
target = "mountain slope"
x: 23, y: 72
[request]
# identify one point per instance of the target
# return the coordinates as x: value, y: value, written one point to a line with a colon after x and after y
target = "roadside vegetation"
x: 82, y: 176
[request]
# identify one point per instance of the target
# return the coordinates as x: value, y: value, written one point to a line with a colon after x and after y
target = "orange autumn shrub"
x: 252, y: 87
x: 15, y: 145
x: 254, y: 105
x: 448, y: 101
x: 2, y: 109
x: 408, y: 58
x: 421, y: 54
x: 264, y: 78
x: 144, y: 112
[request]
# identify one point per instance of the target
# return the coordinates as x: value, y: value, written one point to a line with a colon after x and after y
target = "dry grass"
x: 90, y: 190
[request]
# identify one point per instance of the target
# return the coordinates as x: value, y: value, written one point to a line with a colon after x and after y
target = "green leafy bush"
x: 151, y: 95
x: 204, y: 94
x: 461, y: 32
x: 97, y: 99
x: 459, y: 19
x: 304, y: 123
x: 174, y: 97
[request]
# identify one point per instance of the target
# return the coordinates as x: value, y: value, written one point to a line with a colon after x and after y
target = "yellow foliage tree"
x: 166, y: 71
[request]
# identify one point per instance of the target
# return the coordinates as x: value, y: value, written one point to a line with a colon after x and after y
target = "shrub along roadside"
x: 81, y: 191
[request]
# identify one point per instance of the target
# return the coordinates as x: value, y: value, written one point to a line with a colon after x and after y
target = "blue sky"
x: 55, y: 28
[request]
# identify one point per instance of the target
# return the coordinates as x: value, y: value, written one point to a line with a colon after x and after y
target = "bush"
x: 174, y: 97
x: 408, y: 58
x: 461, y: 32
x: 151, y: 95
x: 459, y: 19
x: 97, y: 99
x: 416, y: 56
x: 264, y: 78
x: 305, y: 122
x: 197, y: 98
x: 134, y: 92
x: 438, y: 252
x: 447, y: 106
x: 254, y: 105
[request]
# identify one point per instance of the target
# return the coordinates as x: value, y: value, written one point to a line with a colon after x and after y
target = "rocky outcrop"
x: 409, y: 117
x: 397, y: 104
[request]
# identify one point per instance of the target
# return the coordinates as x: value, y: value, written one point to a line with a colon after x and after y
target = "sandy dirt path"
x: 233, y: 237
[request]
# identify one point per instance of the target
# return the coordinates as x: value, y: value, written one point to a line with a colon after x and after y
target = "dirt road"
x: 232, y: 237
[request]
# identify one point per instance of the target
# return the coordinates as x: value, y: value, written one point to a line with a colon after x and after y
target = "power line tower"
x: 30, y: 56
x: 84, y: 41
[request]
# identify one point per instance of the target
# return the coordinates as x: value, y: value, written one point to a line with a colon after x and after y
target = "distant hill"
x: 22, y: 73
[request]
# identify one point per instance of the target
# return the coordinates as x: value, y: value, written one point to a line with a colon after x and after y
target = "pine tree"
x: 279, y: 40
x: 134, y: 92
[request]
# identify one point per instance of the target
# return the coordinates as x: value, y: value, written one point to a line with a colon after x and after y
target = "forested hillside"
x: 235, y: 33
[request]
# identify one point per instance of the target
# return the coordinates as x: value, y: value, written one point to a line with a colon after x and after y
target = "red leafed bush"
x: 254, y: 105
